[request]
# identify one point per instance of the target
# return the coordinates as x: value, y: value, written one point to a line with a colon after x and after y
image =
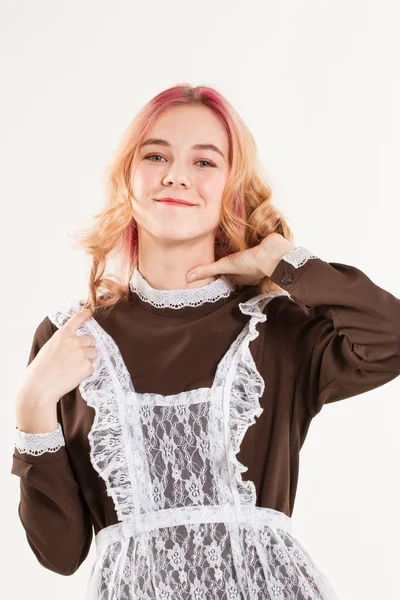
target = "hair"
x: 247, y: 213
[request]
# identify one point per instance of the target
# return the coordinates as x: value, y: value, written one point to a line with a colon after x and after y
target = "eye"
x: 159, y: 156
x: 152, y: 155
x: 207, y: 161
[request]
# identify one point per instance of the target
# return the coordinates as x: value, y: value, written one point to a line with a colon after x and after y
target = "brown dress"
x: 181, y: 451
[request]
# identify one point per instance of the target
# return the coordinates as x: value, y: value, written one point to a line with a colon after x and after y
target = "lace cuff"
x: 39, y: 443
x: 298, y: 257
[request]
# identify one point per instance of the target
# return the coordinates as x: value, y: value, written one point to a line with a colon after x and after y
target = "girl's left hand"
x: 250, y: 265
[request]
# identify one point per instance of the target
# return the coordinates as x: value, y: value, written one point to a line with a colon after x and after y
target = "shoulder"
x: 58, y: 315
x: 44, y: 330
x: 269, y: 302
x: 294, y: 324
x: 53, y: 319
x: 285, y: 310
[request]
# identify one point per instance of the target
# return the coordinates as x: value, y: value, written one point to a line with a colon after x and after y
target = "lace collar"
x: 217, y: 289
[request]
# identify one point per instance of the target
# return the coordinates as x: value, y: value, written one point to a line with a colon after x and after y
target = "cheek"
x: 211, y: 188
x: 144, y: 181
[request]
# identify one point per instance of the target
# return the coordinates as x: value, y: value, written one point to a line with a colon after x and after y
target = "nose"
x: 180, y: 180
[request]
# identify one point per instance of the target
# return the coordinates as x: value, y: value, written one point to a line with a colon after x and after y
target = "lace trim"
x: 39, y: 443
x: 219, y: 288
x: 108, y: 390
x: 298, y: 257
x: 244, y: 388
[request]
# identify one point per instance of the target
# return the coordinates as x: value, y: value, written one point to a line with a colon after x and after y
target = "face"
x: 170, y: 165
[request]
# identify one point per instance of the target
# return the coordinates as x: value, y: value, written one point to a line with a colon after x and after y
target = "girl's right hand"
x: 62, y: 363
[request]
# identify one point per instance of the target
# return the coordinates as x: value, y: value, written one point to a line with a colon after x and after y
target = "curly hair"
x: 247, y: 213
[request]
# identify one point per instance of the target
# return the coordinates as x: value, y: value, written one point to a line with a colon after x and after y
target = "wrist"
x: 31, y: 418
x: 271, y: 253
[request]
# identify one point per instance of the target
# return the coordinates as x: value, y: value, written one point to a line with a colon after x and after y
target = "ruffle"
x: 106, y: 391
x: 246, y: 390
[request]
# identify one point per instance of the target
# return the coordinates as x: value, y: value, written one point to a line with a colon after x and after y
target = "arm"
x: 339, y: 331
x: 52, y: 509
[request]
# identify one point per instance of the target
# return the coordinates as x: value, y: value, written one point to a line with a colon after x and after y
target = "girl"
x: 167, y: 415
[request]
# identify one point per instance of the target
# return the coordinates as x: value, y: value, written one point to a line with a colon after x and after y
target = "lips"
x: 175, y: 202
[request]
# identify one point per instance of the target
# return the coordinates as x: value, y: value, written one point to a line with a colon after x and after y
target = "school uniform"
x: 179, y: 456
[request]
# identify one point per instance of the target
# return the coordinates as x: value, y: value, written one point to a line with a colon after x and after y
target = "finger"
x: 91, y: 354
x: 74, y: 322
x: 222, y: 266
x: 87, y: 340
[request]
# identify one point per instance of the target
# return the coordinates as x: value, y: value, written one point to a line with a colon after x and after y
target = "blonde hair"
x: 247, y: 214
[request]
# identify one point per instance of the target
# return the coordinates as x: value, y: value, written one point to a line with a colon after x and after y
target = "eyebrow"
x: 160, y: 142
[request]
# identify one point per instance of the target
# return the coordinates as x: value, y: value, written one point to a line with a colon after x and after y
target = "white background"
x: 318, y: 84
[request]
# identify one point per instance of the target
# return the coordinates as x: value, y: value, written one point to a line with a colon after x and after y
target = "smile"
x: 175, y: 203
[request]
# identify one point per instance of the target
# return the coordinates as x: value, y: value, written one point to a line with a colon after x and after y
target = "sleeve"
x: 339, y: 331
x: 52, y: 509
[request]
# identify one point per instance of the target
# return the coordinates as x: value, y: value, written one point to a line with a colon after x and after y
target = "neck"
x: 165, y: 263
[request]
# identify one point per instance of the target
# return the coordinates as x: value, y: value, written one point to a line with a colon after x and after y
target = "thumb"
x: 195, y: 274
x: 224, y: 265
x: 201, y: 272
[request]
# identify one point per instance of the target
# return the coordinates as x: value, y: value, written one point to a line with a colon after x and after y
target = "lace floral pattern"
x: 219, y: 288
x: 298, y: 257
x: 188, y: 525
x: 39, y: 443
x: 223, y: 560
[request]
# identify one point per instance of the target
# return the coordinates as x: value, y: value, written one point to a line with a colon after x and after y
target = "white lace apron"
x: 189, y: 527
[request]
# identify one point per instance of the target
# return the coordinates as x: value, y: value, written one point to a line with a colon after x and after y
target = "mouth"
x: 174, y: 202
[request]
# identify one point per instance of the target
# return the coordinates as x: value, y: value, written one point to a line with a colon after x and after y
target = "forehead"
x: 190, y: 125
